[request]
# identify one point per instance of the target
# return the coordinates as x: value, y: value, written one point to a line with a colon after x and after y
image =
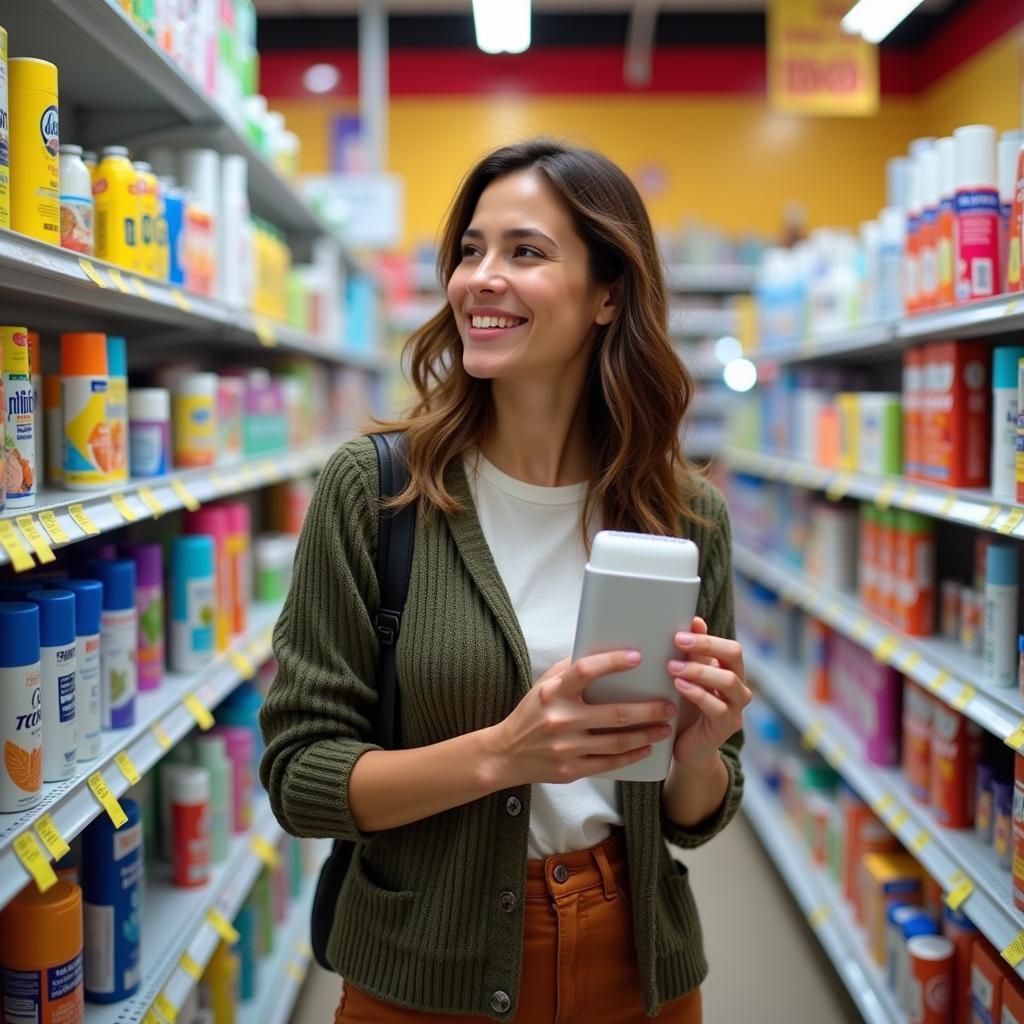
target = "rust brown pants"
x: 579, y: 960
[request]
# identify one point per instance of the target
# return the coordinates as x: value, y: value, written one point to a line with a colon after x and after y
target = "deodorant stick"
x: 57, y: 655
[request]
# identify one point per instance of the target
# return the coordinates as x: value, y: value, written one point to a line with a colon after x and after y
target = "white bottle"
x: 57, y: 647
x: 88, y: 613
x: 234, y: 242
x: 21, y: 727
x: 1002, y: 579
x: 77, y: 209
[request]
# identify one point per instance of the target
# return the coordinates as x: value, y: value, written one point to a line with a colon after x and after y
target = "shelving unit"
x: 162, y: 719
x: 820, y: 900
x: 727, y: 279
x: 955, y: 678
x: 941, y: 851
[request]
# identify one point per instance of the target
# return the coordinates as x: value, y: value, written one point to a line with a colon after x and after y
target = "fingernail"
x: 684, y: 639
x: 675, y: 667
x: 670, y: 710
x: 633, y: 657
x: 683, y: 684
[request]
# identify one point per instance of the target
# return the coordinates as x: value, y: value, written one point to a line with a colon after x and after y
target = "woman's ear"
x: 611, y: 300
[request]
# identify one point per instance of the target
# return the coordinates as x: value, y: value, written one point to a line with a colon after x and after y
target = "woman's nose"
x: 485, y: 278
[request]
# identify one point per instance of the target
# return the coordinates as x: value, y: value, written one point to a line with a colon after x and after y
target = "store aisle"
x: 731, y: 877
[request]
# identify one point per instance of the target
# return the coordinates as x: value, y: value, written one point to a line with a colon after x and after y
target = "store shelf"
x: 711, y: 279
x: 162, y: 719
x: 279, y: 977
x: 702, y: 323
x: 941, y: 851
x: 169, y: 492
x: 947, y: 672
x: 978, y: 509
x: 820, y: 900
x: 175, y: 922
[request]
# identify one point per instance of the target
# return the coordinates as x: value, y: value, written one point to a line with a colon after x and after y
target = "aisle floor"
x: 746, y: 910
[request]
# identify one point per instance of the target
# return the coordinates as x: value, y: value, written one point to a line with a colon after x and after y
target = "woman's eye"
x: 469, y: 250
x: 528, y: 250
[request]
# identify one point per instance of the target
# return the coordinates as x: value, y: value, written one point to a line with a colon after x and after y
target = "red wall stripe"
x: 967, y: 33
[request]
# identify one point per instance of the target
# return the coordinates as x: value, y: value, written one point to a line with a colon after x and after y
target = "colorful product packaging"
x: 914, y: 603
x: 21, y: 779
x: 955, y: 748
x: 118, y: 209
x: 18, y: 404
x: 149, y: 606
x: 886, y: 877
x: 880, y: 432
x: 1018, y: 831
x: 913, y: 384
x: 917, y: 730
x: 986, y: 983
x: 84, y: 396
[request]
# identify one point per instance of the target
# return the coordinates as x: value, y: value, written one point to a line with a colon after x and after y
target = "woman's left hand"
x: 710, y: 675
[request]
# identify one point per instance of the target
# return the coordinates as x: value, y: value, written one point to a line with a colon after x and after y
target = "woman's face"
x: 522, y: 296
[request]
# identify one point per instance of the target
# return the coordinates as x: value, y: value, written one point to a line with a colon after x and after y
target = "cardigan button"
x: 513, y: 806
x: 561, y: 873
x: 507, y: 902
x: 500, y: 1002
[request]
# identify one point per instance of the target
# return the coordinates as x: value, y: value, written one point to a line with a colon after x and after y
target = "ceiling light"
x: 740, y: 375
x: 502, y: 26
x: 875, y: 19
x: 727, y: 349
x: 321, y: 77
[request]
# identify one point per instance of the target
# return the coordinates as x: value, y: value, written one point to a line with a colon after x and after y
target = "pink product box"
x: 869, y: 698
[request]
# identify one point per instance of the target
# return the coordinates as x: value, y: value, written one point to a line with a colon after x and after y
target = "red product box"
x: 913, y: 382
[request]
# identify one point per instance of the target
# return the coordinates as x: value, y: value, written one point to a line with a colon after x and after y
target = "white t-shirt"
x: 534, y: 535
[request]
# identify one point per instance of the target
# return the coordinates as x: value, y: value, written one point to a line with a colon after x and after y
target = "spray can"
x: 190, y: 809
x: 54, y: 432
x: 193, y: 599
x: 1002, y: 577
x: 88, y: 612
x: 149, y: 427
x: 117, y: 406
x: 19, y: 419
x: 149, y: 213
x: 222, y: 984
x: 149, y: 605
x: 174, y: 217
x: 213, y: 521
x: 239, y: 563
x: 57, y: 656
x: 1006, y: 168
x: 946, y: 226
x: 200, y: 173
x: 977, y: 212
x: 161, y: 266
x: 84, y: 386
x: 118, y: 209
x: 34, y: 148
x: 929, y: 229
x: 195, y: 420
x: 119, y: 633
x: 241, y: 753
x: 5, y: 154
x: 77, y: 207
x: 112, y: 878
x: 211, y: 754
x: 41, y: 954
x: 21, y: 722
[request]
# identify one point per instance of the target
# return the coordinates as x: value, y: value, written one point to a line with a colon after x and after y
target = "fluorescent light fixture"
x: 875, y: 19
x: 740, y: 375
x: 502, y: 26
x: 321, y: 77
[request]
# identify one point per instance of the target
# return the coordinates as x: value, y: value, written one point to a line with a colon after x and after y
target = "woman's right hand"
x: 549, y: 736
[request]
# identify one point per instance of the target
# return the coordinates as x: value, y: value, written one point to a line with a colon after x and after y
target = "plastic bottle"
x: 242, y: 709
x: 929, y: 229
x: 119, y: 633
x: 5, y: 168
x: 21, y: 722
x: 149, y: 605
x: 239, y: 563
x: 149, y: 213
x: 86, y: 430
x: 241, y: 753
x: 912, y: 251
x: 246, y: 947
x: 1018, y: 832
x: 41, y: 954
x: 977, y: 212
x: 117, y: 406
x: 77, y: 207
x: 193, y: 599
x: 1015, y: 242
x: 890, y: 263
x: 88, y: 713
x: 54, y: 431
x: 213, y: 521
x: 57, y: 646
x: 200, y: 174
x: 112, y: 887
x: 211, y: 754
x: 190, y: 807
x: 1005, y: 410
x: 19, y: 419
x: 195, y: 420
x: 234, y: 270
x: 221, y: 980
x: 34, y: 148
x: 174, y: 201
x: 35, y: 366
x: 946, y: 225
x: 1006, y: 169
x: 149, y: 431
x: 1002, y: 577
x: 90, y: 160
x: 230, y: 419
x: 118, y: 209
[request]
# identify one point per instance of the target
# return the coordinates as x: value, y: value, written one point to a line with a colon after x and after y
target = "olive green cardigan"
x: 419, y: 923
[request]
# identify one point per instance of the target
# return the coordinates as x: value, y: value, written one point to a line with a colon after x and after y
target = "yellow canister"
x: 34, y: 148
x: 116, y: 191
x: 5, y: 156
x: 149, y: 205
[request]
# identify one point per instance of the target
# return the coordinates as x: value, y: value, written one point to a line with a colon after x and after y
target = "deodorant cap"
x: 88, y: 604
x: 1005, y: 362
x: 83, y: 355
x: 975, y: 156
x: 117, y: 356
x: 56, y: 616
x: 1001, y: 565
x: 930, y: 947
x: 41, y: 928
x: 115, y: 151
x: 19, y: 637
x: 118, y: 577
x: 149, y: 404
x: 31, y: 73
x: 190, y: 785
x: 644, y: 554
x: 919, y: 924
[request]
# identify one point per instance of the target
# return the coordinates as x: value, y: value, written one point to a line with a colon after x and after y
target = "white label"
x: 119, y: 682
x: 87, y: 697
x: 192, y: 640
x: 1000, y: 643
x: 98, y: 927
x: 21, y: 727
x: 58, y: 664
x: 1004, y: 443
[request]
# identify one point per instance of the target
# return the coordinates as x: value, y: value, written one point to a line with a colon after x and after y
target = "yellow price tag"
x: 295, y: 973
x: 151, y: 1018
x: 166, y: 1008
x: 185, y: 496
x: 1014, y: 952
x: 839, y: 488
x: 119, y: 282
x: 990, y: 516
x: 910, y: 661
x: 180, y: 300
x: 34, y: 861
x: 960, y: 887
x: 82, y: 520
x: 860, y: 631
x: 140, y: 287
x: 836, y: 757
x: 199, y: 711
x: 242, y: 665
x: 101, y: 791
x: 160, y: 735
x: 223, y: 927
x: 920, y: 841
x: 964, y: 697
x: 190, y: 967
x: 947, y: 506
x: 91, y: 272
x: 52, y: 527
x: 31, y: 532
x: 899, y: 819
x: 268, y: 469
x: 882, y: 803
x: 304, y: 949
x: 884, y: 648
x: 54, y: 842
x: 1011, y: 522
x: 218, y: 482
x: 940, y: 680
x: 812, y: 735
x: 265, y: 333
x: 1016, y: 738
x: 150, y: 500
x: 16, y: 551
x: 124, y: 510
x: 884, y: 497
x: 265, y: 852
x: 128, y: 770
x: 818, y: 917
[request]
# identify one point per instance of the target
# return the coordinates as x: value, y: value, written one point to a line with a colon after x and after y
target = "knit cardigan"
x: 419, y: 923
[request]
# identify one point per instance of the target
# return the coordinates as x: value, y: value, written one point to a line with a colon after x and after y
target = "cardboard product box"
x: 986, y: 984
x: 913, y: 374
x: 886, y: 877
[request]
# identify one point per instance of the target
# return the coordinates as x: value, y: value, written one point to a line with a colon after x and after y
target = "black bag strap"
x: 396, y: 533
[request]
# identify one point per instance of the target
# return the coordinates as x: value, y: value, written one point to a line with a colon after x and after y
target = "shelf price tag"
x: 265, y: 852
x: 990, y: 516
x: 1016, y: 738
x: 265, y: 333
x: 151, y: 1018
x: 960, y: 887
x: 91, y: 272
x: 124, y: 510
x: 34, y: 861
x: 885, y: 495
x: 128, y: 769
x: 899, y: 818
x: 304, y: 949
x: 940, y: 680
x: 190, y: 967
x: 839, y: 488
x: 160, y: 735
x: 836, y: 757
x: 140, y: 287
x: 910, y: 661
x: 150, y: 500
x: 295, y: 973
x: 166, y: 1008
x: 180, y: 300
x: 947, y: 506
x: 884, y: 648
x: 860, y: 631
x: 222, y: 926
x: 82, y: 520
x: 109, y: 802
x: 812, y: 735
x: 199, y: 711
x: 1012, y: 521
x: 31, y: 532
x: 15, y: 547
x: 242, y: 665
x: 1014, y: 952
x: 882, y: 803
x: 964, y: 697
x: 185, y: 496
x: 818, y: 917
x: 51, y: 838
x: 920, y: 841
x: 120, y: 283
x: 53, y: 529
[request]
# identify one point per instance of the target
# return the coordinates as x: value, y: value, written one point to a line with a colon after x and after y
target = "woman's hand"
x: 549, y: 736
x: 712, y: 678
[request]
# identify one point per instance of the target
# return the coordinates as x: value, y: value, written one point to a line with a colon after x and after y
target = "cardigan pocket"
x: 380, y: 910
x: 680, y: 925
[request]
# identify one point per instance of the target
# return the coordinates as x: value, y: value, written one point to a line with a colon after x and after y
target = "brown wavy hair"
x: 637, y: 391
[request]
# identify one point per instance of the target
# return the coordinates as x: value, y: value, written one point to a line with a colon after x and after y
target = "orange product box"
x: 956, y: 418
x: 867, y: 565
x: 827, y: 439
x: 1013, y: 1001
x: 917, y: 739
x: 886, y: 877
x: 955, y: 748
x: 885, y: 563
x: 914, y: 604
x: 862, y: 833
x: 986, y: 984
x: 913, y: 384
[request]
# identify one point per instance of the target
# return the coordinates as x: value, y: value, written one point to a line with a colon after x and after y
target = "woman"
x: 495, y: 878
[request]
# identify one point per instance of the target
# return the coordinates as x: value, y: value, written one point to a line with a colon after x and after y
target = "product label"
x: 117, y: 417
x: 76, y: 224
x: 195, y: 430
x: 87, y: 699
x: 119, y: 681
x: 117, y: 212
x: 59, y: 756
x: 193, y: 638
x: 87, y: 455
x: 19, y: 440
x: 22, y: 731
x: 149, y: 448
x: 149, y: 602
x: 51, y: 996
x: 977, y: 237
x: 5, y: 212
x: 200, y: 251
